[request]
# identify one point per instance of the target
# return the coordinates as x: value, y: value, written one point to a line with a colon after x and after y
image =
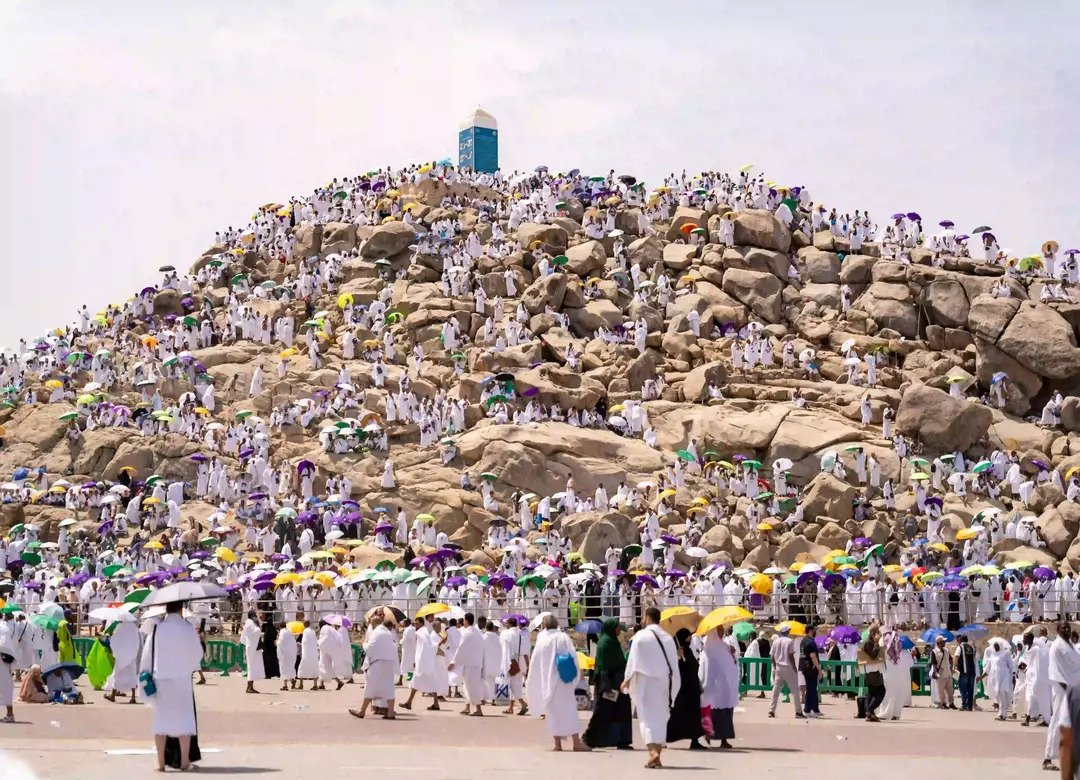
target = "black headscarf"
x: 610, y: 659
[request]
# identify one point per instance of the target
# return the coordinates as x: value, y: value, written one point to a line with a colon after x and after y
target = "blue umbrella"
x: 973, y: 631
x: 589, y: 627
x: 905, y: 642
x: 72, y: 668
x: 931, y: 634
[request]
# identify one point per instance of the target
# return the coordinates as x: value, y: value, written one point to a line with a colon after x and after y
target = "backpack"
x: 566, y: 666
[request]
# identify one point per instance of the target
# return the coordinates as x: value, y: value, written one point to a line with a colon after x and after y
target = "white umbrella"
x: 184, y: 591
x: 534, y: 624
x: 847, y: 345
x: 696, y: 552
x: 807, y: 355
x: 809, y: 567
x: 334, y: 535
x: 852, y: 361
x: 617, y: 421
x: 782, y: 464
x: 52, y: 609
x: 828, y: 460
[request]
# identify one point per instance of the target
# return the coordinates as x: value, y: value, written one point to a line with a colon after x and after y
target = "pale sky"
x: 131, y: 131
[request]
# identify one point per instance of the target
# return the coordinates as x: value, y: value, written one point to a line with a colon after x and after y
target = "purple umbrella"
x: 33, y: 585
x: 307, y: 517
x: 946, y: 223
x: 247, y: 452
x: 279, y: 558
x: 348, y: 503
x: 830, y: 581
x: 674, y: 573
x: 955, y: 585
x: 669, y: 539
x: 1043, y: 573
x: 914, y: 215
x: 199, y: 458
x: 935, y: 500
x: 899, y: 215
x: 808, y: 577
x: 383, y: 528
x: 519, y: 618
x: 233, y: 587
x: 645, y: 579
x: 531, y: 392
x: 105, y: 527
x: 265, y: 575
x: 200, y: 554
x: 845, y: 635
x: 257, y: 496
x: 454, y: 582
x: 263, y: 585
x: 861, y: 541
x: 353, y: 517
x: 304, y: 465
x: 822, y: 643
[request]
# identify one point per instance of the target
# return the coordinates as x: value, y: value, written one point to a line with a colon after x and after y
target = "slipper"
x: 356, y: 714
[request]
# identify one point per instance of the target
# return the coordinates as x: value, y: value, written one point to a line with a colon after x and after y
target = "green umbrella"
x: 86, y: 398
x: 530, y: 579
x: 68, y: 416
x: 8, y: 405
x: 764, y: 495
x: 44, y: 621
x: 190, y: 321
x: 981, y: 466
x: 495, y: 399
x: 341, y: 194
x: 560, y: 260
x: 31, y: 557
x: 686, y: 455
x: 238, y: 278
x: 243, y: 414
x: 18, y: 528
x: 791, y: 579
x: 153, y: 478
x: 208, y: 541
x: 742, y: 631
x: 489, y: 476
x: 137, y: 596
x: 632, y: 549
x: 34, y: 546
x: 10, y: 608
x: 853, y: 448
x: 792, y: 204
x: 457, y: 356
x: 111, y: 569
x: 394, y: 316
x: 752, y: 464
x: 75, y: 560
x: 385, y: 565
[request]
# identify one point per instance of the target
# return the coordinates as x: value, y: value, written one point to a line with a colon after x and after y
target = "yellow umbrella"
x: 1070, y: 472
x: 52, y: 384
x: 288, y: 353
x: 155, y: 545
x: 338, y: 551
x: 344, y: 300
x: 151, y: 501
x: 295, y: 627
x: 202, y: 410
x: 369, y: 343
x: 795, y: 567
x: 761, y: 584
x: 723, y: 616
x: 225, y: 554
x: 426, y: 518
x: 966, y: 533
x: 432, y: 609
x: 764, y: 526
x: 325, y: 578
x: 477, y: 570
x: 585, y: 663
x: 940, y: 547
x: 674, y: 618
x: 700, y: 501
x: 794, y: 626
x: 666, y: 493
x: 615, y: 409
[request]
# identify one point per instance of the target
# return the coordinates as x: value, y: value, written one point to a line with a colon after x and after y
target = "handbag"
x: 706, y: 721
x: 146, y: 677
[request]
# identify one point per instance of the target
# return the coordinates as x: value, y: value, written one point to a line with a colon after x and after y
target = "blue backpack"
x: 566, y: 665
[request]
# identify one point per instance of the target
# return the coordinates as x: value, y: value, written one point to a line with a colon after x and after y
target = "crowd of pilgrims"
x: 114, y: 368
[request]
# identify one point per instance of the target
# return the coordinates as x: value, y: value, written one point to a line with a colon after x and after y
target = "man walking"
x: 965, y: 667
x: 810, y: 666
x: 784, y: 671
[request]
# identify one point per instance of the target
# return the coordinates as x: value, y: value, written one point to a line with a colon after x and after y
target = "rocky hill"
x: 928, y: 317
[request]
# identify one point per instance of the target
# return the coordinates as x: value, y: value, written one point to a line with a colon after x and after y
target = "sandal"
x: 356, y: 714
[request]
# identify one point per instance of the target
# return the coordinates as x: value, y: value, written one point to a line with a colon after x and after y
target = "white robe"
x: 124, y: 644
x: 652, y: 669
x: 249, y: 638
x: 172, y: 653
x: 309, y: 655
x: 286, y: 654
x: 380, y: 663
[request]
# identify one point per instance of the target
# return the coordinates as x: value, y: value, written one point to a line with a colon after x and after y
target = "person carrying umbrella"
x: 170, y: 657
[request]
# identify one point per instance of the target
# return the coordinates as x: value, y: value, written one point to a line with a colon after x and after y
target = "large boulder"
x: 760, y: 291
x: 947, y: 302
x: 941, y: 422
x: 696, y: 384
x: 754, y: 227
x: 679, y: 256
x: 585, y: 259
x: 891, y: 305
x: 551, y: 235
x: 1040, y: 339
x: 989, y: 316
x: 827, y: 496
x: 387, y: 240
x: 817, y: 267
x: 545, y: 291
x: 795, y: 546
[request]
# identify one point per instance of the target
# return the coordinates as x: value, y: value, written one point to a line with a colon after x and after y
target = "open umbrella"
x: 674, y: 618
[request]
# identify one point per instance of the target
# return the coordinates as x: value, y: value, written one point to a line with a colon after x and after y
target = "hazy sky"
x: 130, y: 131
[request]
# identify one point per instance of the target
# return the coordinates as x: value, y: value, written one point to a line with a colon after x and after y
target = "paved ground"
x: 296, y: 734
